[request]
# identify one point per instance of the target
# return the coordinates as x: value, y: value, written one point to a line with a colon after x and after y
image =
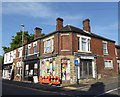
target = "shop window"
x: 35, y: 69
x: 65, y: 69
x: 48, y: 67
x: 26, y: 70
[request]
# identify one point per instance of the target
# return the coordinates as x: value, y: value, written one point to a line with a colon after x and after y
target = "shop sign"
x: 35, y: 79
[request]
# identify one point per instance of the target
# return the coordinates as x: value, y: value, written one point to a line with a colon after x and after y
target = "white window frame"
x: 106, y: 48
x: 20, y: 50
x: 50, y: 46
x: 29, y: 47
x: 88, y: 49
x: 109, y: 64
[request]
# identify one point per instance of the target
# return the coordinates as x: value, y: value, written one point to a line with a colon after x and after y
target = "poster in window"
x: 35, y: 66
x: 27, y: 67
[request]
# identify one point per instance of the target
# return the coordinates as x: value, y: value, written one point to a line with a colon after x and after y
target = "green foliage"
x: 16, y: 41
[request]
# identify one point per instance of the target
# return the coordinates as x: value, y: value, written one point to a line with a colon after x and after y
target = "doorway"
x: 86, y: 68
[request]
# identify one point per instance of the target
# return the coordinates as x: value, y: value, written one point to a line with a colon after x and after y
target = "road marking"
x: 31, y: 88
x: 107, y: 92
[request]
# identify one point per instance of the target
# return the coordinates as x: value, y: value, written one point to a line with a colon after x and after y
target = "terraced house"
x: 70, y: 53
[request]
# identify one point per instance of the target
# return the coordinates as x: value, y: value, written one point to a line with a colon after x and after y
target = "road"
x: 96, y: 90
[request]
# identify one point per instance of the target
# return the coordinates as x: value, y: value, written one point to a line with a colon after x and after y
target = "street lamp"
x: 21, y: 68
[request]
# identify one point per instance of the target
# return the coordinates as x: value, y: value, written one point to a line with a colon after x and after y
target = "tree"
x: 16, y: 41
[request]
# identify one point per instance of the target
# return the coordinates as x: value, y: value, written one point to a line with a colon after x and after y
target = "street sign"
x: 76, y: 62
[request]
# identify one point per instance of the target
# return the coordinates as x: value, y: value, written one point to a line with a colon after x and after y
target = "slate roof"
x: 71, y: 28
x: 117, y: 46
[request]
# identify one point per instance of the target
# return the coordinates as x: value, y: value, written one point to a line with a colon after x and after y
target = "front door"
x: 86, y: 68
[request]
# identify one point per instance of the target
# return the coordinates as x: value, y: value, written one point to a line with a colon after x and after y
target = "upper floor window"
x: 48, y: 46
x: 6, y: 57
x: 20, y: 50
x: 29, y: 48
x: 10, y: 58
x: 84, y: 43
x: 105, y: 50
x: 35, y: 47
x: 26, y: 51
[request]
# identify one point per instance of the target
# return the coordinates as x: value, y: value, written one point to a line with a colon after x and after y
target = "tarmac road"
x: 98, y: 89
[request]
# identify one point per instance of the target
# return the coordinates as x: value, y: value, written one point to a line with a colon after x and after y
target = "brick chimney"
x: 37, y: 32
x: 59, y: 23
x: 86, y: 25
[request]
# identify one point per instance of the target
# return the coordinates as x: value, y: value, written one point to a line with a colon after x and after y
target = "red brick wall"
x: 66, y: 44
x: 97, y: 48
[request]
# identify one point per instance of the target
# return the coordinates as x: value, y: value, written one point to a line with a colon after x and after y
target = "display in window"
x: 48, y: 67
x: 65, y: 69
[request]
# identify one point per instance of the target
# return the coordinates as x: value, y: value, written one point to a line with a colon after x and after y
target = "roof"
x: 71, y: 28
x: 117, y: 46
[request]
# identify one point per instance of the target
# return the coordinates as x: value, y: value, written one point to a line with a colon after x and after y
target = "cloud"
x: 27, y: 9
x: 60, y: 1
x: 108, y: 28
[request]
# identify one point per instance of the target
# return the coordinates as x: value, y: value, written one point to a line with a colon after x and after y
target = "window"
x: 10, y: 56
x: 29, y: 47
x: 6, y: 58
x: 35, y: 69
x: 20, y: 51
x: 48, y: 46
x: 26, y: 51
x: 105, y: 50
x: 108, y: 64
x: 35, y: 49
x: 83, y: 43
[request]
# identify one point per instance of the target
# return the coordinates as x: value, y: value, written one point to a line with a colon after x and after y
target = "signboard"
x: 35, y: 79
x: 76, y: 62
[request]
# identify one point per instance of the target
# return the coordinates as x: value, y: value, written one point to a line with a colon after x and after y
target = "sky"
x: 103, y: 17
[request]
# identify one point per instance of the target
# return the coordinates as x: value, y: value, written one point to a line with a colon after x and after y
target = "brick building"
x: 69, y: 52
x: 118, y: 56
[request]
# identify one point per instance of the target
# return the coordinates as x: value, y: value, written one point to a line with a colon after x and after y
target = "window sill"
x: 65, y: 50
x: 84, y: 51
x: 106, y: 54
x: 108, y: 68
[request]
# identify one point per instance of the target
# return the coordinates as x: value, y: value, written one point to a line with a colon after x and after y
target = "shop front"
x: 31, y: 70
x: 6, y: 73
x: 47, y: 67
x: 86, y: 68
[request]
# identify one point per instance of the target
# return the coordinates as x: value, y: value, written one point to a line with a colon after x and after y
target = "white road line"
x: 30, y: 88
x: 107, y: 92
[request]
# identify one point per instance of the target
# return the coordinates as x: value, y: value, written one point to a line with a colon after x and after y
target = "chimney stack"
x: 86, y: 25
x: 59, y: 24
x: 37, y: 32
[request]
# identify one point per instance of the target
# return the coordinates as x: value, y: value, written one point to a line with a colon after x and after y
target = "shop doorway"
x: 86, y: 68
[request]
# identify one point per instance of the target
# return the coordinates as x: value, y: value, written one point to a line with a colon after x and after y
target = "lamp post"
x: 21, y: 67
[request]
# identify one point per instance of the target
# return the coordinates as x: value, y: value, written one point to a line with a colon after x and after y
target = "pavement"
x: 89, y: 83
